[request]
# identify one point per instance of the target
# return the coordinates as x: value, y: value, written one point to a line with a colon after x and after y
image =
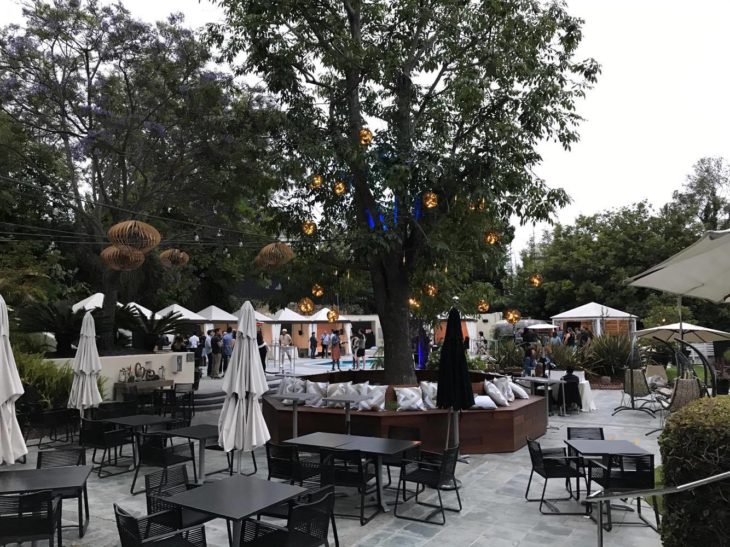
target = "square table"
x: 605, y: 449
x: 295, y: 398
x: 375, y: 446
x: 135, y: 422
x: 535, y: 380
x: 50, y: 478
x: 348, y: 400
x: 201, y: 433
x: 235, y: 498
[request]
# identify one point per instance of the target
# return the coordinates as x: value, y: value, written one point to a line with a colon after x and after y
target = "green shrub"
x: 566, y: 356
x: 695, y: 444
x: 608, y: 354
x: 55, y: 317
x: 508, y: 355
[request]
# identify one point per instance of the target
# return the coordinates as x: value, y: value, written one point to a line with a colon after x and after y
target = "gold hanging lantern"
x: 512, y: 316
x: 491, y: 237
x: 366, y: 136
x: 430, y: 200
x: 123, y: 260
x: 317, y: 290
x: 535, y: 279
x: 174, y: 257
x: 430, y: 289
x: 480, y: 204
x: 483, y: 306
x: 306, y: 306
x: 414, y: 304
x: 134, y: 235
x: 308, y: 227
x: 339, y: 188
x: 317, y: 182
x: 333, y: 315
x: 274, y: 255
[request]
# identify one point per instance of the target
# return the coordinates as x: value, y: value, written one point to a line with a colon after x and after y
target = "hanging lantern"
x: 414, y: 304
x: 430, y: 289
x: 333, y: 315
x: 308, y: 227
x: 274, y: 255
x: 512, y: 316
x: 123, y: 260
x: 480, y: 204
x: 491, y: 237
x: 483, y: 306
x: 430, y: 200
x: 174, y: 257
x: 317, y: 290
x: 339, y: 188
x: 366, y: 136
x: 306, y: 306
x: 535, y: 279
x: 317, y: 182
x: 135, y: 235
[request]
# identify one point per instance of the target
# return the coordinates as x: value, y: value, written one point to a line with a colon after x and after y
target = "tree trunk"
x: 390, y: 284
x: 105, y: 323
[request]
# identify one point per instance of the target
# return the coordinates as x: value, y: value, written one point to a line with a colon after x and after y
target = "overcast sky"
x: 660, y: 104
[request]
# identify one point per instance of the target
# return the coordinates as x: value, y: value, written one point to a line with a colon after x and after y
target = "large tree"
x: 457, y: 94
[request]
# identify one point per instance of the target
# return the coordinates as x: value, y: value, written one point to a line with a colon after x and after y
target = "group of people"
x: 579, y: 337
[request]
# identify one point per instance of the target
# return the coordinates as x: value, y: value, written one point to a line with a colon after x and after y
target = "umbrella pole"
x: 448, y: 428
x: 681, y: 337
x: 239, y: 460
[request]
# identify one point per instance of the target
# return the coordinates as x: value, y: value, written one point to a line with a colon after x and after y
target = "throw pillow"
x: 519, y: 391
x: 495, y: 394
x: 484, y: 401
x: 319, y: 390
x: 375, y: 400
x: 291, y: 385
x: 355, y: 390
x: 503, y: 386
x: 337, y: 390
x: 429, y: 390
x: 409, y: 398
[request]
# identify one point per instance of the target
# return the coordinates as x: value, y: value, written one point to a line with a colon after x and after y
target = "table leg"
x: 294, y: 427
x: 347, y: 417
x: 379, y: 482
x: 201, y: 461
x: 237, y: 526
x: 562, y: 390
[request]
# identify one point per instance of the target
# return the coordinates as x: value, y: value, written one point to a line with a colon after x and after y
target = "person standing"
x: 325, y: 344
x: 207, y: 353
x: 334, y: 343
x: 361, y: 349
x: 216, y: 345
x: 285, y: 342
x: 226, y: 350
x: 555, y: 339
x: 312, y: 346
x: 263, y: 348
x: 355, y: 345
x: 528, y: 363
x: 193, y: 341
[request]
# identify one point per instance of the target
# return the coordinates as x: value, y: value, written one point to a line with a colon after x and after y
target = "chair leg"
x: 134, y: 480
x: 192, y: 457
x: 81, y: 515
x: 527, y: 490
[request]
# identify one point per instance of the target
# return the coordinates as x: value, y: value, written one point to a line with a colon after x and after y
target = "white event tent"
x: 603, y: 319
x: 185, y: 314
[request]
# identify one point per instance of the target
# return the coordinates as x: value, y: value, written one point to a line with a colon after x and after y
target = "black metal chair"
x: 164, y: 529
x: 625, y: 473
x: 168, y: 482
x: 62, y: 457
x: 350, y: 469
x: 185, y: 395
x: 555, y: 464
x: 405, y: 434
x: 107, y: 438
x: 154, y: 449
x: 435, y: 471
x: 307, y: 525
x: 30, y: 517
x: 285, y: 464
x: 51, y: 422
x: 569, y: 395
x: 588, y: 433
x: 164, y: 401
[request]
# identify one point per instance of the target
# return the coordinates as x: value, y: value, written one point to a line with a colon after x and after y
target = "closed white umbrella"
x: 86, y: 367
x: 12, y: 444
x: 241, y: 425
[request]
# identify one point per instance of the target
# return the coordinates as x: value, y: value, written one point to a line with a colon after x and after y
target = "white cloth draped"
x: 12, y: 444
x: 86, y: 366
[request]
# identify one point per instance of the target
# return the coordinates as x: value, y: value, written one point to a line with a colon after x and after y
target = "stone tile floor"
x: 495, y: 513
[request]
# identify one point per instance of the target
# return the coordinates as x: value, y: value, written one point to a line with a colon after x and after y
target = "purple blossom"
x: 154, y: 127
x: 208, y: 76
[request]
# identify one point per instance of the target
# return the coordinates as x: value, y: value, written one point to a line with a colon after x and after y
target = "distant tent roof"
x: 321, y: 317
x: 185, y: 313
x: 145, y: 311
x: 287, y: 316
x: 260, y: 317
x: 216, y: 315
x: 593, y: 311
x: 92, y: 302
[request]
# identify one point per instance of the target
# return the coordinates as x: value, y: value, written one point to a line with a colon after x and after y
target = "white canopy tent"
x: 214, y: 314
x: 597, y: 314
x: 144, y: 311
x: 89, y: 303
x: 185, y: 314
x: 260, y: 317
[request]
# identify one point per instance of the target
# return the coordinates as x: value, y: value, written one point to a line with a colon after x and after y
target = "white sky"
x: 660, y: 104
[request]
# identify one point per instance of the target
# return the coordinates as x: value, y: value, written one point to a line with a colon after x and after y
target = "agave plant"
x: 54, y: 317
x: 608, y: 353
x: 568, y: 356
x: 508, y: 355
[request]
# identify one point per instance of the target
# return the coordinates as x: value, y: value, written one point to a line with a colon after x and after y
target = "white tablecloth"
x: 584, y: 387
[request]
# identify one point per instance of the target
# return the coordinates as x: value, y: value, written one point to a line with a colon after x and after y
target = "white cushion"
x: 357, y: 389
x: 495, y: 394
x: 319, y: 390
x: 291, y: 385
x: 429, y: 390
x: 338, y: 390
x: 484, y: 401
x: 409, y: 398
x: 503, y: 386
x: 375, y: 400
x: 518, y: 391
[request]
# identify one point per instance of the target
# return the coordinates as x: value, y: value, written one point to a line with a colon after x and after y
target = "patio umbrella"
x: 542, y: 326
x: 454, y: 389
x: 241, y: 424
x: 690, y: 333
x: 12, y: 444
x: 86, y: 366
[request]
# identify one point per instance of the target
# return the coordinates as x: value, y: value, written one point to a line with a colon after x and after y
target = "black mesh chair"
x: 555, y: 464
x: 185, y: 395
x: 435, y: 471
x: 163, y: 529
x: 30, y: 517
x: 155, y: 450
x: 168, y: 482
x: 307, y: 525
x: 625, y: 473
x: 569, y: 395
x: 588, y: 433
x: 52, y: 422
x: 405, y: 434
x: 62, y: 457
x: 350, y: 469
x: 285, y: 464
x: 164, y: 401
x: 107, y: 438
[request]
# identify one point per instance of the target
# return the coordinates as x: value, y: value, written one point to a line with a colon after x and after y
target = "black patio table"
x: 374, y: 446
x: 347, y: 400
x: 135, y: 422
x: 537, y: 380
x: 201, y: 433
x: 50, y: 478
x: 236, y: 498
x: 605, y: 448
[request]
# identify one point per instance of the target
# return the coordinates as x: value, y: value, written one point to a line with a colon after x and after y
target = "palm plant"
x: 508, y: 355
x: 146, y: 330
x: 54, y: 317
